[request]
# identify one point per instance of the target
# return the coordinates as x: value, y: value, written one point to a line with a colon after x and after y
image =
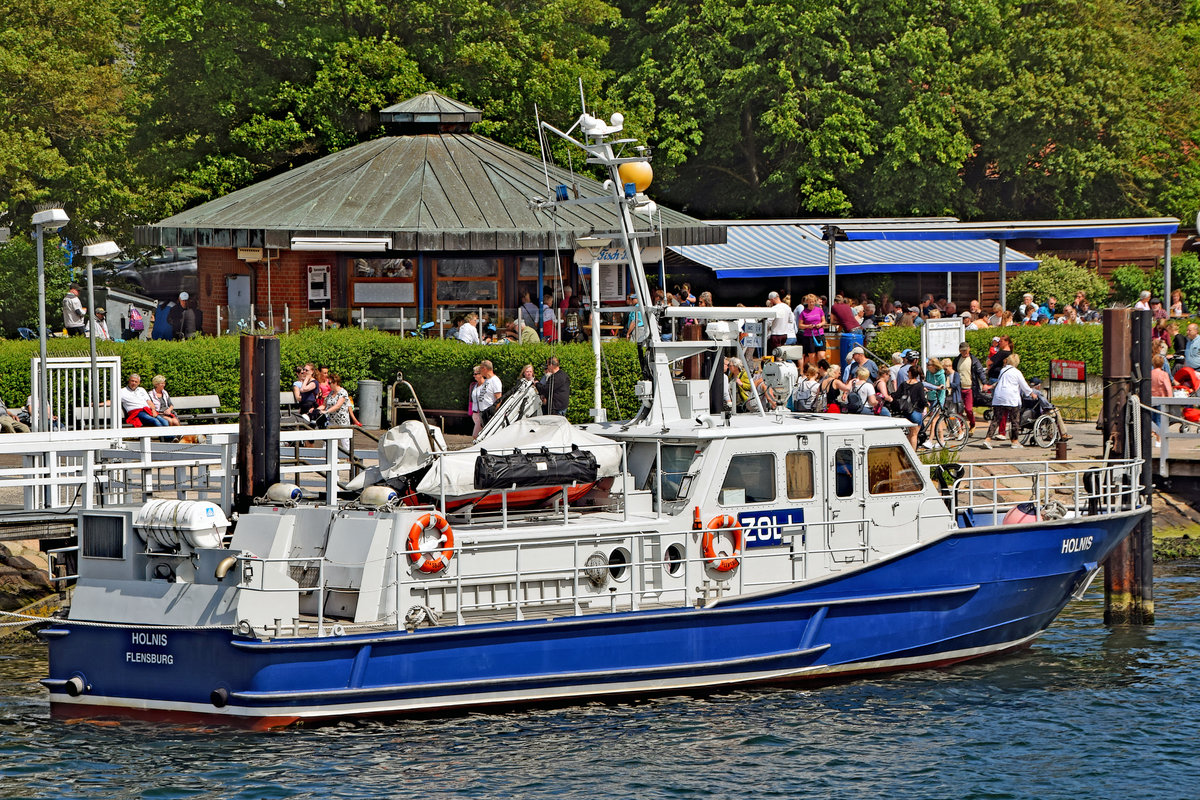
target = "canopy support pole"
x: 832, y: 271
x: 1167, y: 273
x: 1003, y: 275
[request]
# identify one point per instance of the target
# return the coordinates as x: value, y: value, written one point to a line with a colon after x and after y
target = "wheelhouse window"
x: 749, y: 479
x: 676, y: 463
x: 799, y: 475
x: 891, y: 471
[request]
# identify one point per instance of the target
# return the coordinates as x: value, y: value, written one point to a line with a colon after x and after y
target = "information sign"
x: 1068, y: 371
x: 940, y: 338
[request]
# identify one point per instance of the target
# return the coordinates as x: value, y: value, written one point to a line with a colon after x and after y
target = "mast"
x: 659, y: 404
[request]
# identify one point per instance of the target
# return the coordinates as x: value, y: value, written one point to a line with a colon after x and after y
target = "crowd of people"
x: 180, y: 318
x: 321, y: 398
x: 487, y: 390
x: 908, y: 388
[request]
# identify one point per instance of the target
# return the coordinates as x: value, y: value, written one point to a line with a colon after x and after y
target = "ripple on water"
x: 1088, y: 711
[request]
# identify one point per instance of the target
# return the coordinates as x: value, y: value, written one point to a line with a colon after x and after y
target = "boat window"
x: 676, y: 464
x: 676, y: 461
x: 891, y: 471
x: 749, y: 479
x: 843, y: 469
x: 799, y: 475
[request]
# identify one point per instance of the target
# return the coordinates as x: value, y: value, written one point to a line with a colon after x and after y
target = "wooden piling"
x: 258, y: 424
x: 1128, y: 572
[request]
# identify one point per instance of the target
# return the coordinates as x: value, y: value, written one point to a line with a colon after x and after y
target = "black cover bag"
x: 534, y: 469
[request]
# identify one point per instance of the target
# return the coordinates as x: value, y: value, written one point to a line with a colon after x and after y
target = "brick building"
x: 420, y: 224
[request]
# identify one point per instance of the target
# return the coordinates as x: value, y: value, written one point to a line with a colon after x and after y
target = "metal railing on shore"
x: 1164, y: 408
x: 68, y: 471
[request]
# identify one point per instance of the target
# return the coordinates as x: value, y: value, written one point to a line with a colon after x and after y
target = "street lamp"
x: 103, y: 251
x: 47, y: 219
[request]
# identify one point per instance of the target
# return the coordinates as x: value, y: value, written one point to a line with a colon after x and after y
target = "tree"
x: 18, y: 273
x: 1059, y: 277
x: 64, y: 109
x: 977, y: 108
x: 243, y: 88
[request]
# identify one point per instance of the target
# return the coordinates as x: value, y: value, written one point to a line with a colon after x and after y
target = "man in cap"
x: 910, y: 357
x: 100, y: 326
x: 185, y: 318
x: 855, y: 359
x: 73, y: 312
x: 1156, y: 308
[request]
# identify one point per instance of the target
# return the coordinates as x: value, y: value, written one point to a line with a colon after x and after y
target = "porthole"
x: 618, y: 564
x: 674, y: 560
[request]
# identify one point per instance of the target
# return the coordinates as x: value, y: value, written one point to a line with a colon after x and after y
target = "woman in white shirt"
x: 467, y: 333
x: 161, y: 400
x: 1006, y: 400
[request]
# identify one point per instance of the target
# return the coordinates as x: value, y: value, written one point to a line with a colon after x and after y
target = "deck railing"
x: 83, y: 470
x: 1170, y: 410
x: 1083, y: 487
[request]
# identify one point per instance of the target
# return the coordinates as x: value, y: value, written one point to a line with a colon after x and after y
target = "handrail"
x: 522, y: 575
x: 82, y: 470
x: 1165, y: 434
x: 1116, y: 487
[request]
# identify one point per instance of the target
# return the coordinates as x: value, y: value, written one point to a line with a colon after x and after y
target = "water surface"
x: 1087, y: 712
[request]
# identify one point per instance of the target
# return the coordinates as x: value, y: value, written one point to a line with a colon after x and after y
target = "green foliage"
x: 440, y: 370
x: 18, y: 274
x: 65, y: 103
x: 1061, y: 278
x: 1130, y: 280
x: 1036, y: 344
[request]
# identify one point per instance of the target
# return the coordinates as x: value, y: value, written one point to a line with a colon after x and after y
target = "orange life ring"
x: 727, y: 523
x: 439, y: 559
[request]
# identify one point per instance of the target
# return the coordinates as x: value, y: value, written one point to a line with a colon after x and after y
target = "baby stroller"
x: 1187, y: 384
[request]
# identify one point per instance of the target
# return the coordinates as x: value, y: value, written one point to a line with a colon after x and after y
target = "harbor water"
x: 1086, y: 712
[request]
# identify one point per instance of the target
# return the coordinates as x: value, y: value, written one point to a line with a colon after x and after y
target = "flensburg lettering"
x: 148, y: 639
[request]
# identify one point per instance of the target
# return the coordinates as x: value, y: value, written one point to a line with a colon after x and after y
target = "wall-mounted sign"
x: 616, y: 255
x: 250, y: 253
x: 1069, y: 371
x: 319, y: 291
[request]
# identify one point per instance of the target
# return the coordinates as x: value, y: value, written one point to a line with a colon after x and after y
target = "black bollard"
x: 1128, y: 572
x: 258, y: 431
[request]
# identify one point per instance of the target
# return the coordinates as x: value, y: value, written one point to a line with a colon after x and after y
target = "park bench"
x: 201, y: 408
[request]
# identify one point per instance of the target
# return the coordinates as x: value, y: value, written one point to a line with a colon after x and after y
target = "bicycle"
x: 944, y: 428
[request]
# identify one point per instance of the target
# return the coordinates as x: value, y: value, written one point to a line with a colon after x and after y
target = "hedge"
x: 440, y: 370
x: 1036, y: 344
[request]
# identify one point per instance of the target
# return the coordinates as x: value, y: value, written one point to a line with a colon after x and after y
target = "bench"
x: 206, y: 407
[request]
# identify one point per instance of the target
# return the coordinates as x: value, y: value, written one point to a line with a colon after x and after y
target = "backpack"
x: 136, y: 323
x: 854, y: 402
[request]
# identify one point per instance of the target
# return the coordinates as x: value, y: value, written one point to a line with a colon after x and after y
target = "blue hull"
x: 974, y: 593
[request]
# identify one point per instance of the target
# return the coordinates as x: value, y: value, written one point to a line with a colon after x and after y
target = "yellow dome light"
x: 638, y: 173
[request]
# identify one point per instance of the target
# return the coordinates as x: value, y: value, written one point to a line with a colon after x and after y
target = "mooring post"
x: 258, y: 425
x: 1126, y: 590
x: 1142, y: 538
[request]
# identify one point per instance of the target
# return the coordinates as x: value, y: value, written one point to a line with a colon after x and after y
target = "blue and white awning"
x: 761, y: 250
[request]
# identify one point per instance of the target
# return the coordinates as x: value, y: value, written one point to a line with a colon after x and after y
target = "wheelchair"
x: 1037, y: 425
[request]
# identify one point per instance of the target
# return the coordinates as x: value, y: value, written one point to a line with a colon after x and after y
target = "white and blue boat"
x: 679, y: 551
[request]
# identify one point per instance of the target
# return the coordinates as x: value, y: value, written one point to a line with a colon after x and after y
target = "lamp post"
x: 49, y: 219
x: 103, y: 251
